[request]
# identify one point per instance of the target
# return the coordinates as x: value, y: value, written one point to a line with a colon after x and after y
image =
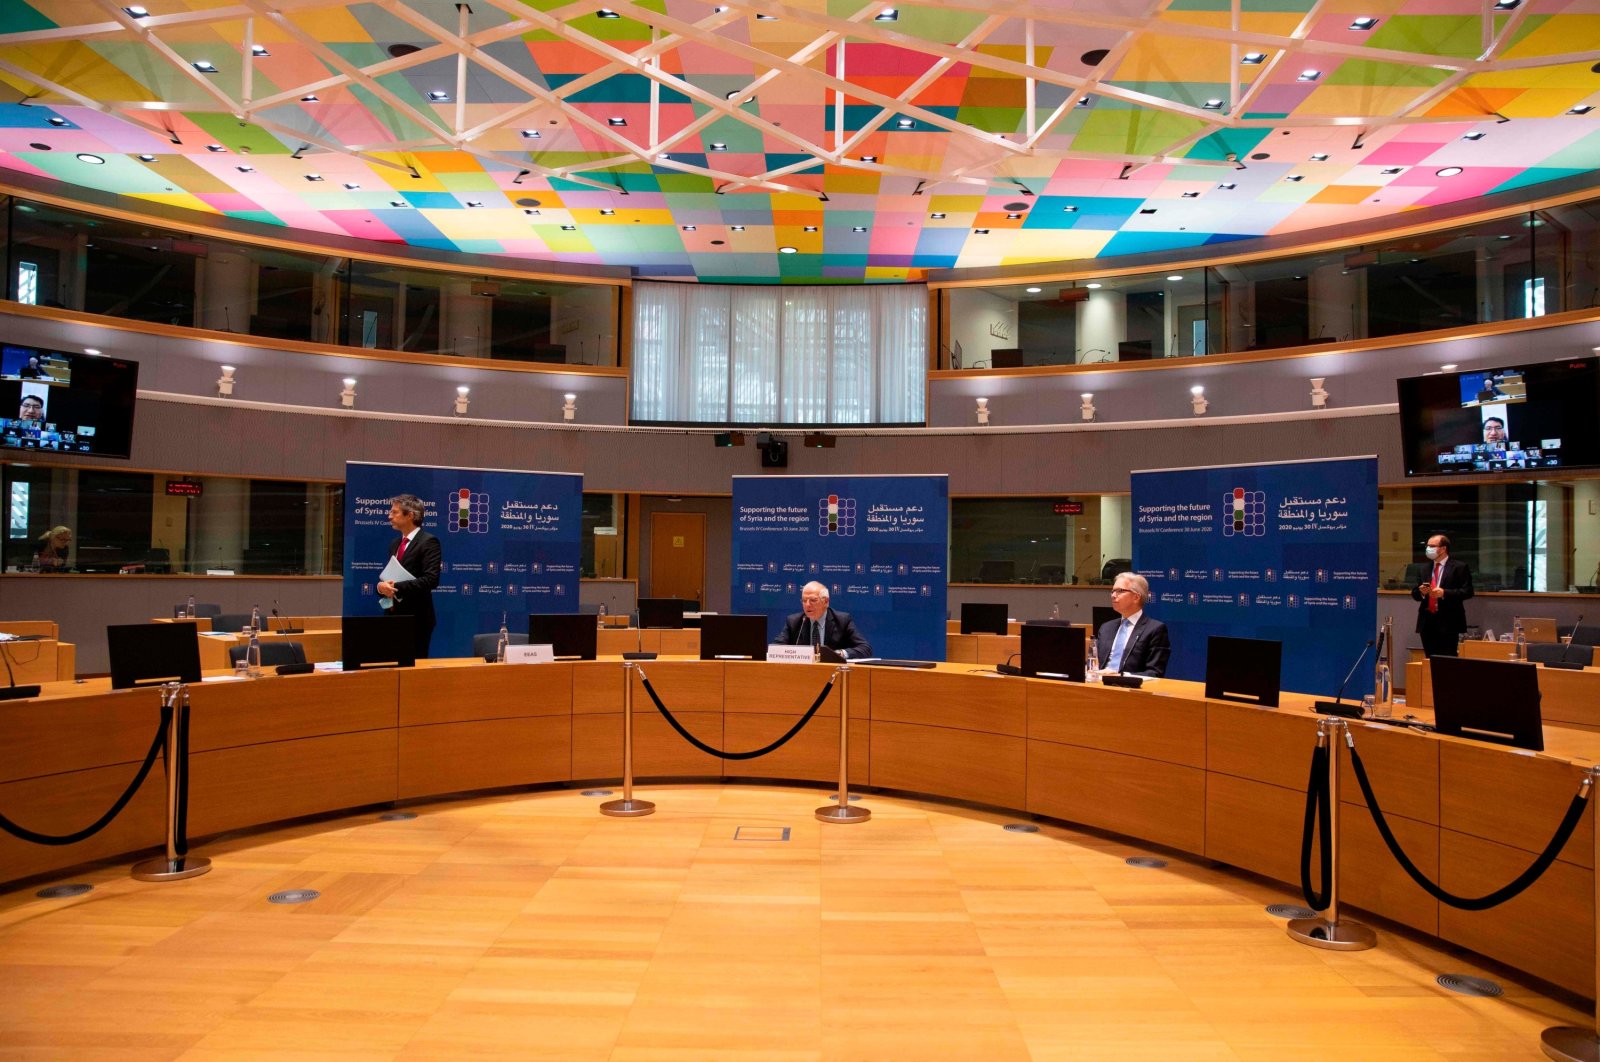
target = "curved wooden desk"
x: 1219, y: 780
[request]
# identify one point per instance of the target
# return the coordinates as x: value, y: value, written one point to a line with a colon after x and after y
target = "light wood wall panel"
x: 963, y: 764
x: 487, y: 754
x: 1148, y: 799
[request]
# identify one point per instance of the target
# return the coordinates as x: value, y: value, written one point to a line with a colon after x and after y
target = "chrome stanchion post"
x: 172, y: 866
x: 627, y: 807
x: 1328, y: 930
x: 1569, y: 1043
x: 842, y: 811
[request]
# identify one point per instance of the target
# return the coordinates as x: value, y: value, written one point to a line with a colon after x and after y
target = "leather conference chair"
x: 231, y: 622
x: 1554, y: 652
x: 272, y: 653
x: 484, y: 645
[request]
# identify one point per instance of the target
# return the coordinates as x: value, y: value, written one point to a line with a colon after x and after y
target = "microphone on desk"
x: 1564, y: 664
x: 1008, y: 668
x: 1336, y: 706
x: 288, y: 626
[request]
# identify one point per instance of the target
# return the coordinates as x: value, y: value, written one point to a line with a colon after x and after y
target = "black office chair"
x: 1555, y: 652
x: 231, y: 622
x: 1586, y: 634
x: 485, y: 644
x: 272, y: 653
x: 181, y: 611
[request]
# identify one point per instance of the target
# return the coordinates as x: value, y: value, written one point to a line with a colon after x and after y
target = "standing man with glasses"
x: 1134, y: 643
x: 818, y: 625
x: 1441, y: 597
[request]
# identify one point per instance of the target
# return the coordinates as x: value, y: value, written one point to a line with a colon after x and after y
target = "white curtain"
x: 720, y: 354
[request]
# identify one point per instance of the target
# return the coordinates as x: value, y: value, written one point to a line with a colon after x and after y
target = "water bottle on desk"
x: 1091, y: 666
x: 600, y: 613
x: 1383, y: 692
x: 504, y: 640
x: 1520, y: 643
x: 1055, y: 611
x: 252, y: 654
x: 188, y: 610
x: 255, y: 618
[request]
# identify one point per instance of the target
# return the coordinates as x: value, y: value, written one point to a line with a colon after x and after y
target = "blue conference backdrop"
x: 1285, y: 551
x: 879, y: 543
x: 511, y: 544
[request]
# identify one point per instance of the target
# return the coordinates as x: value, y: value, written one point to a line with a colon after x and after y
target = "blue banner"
x: 879, y: 543
x: 511, y: 544
x: 1282, y: 551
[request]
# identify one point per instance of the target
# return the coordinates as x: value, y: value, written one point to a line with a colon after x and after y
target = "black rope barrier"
x: 1318, y: 802
x: 1481, y: 903
x: 157, y: 747
x: 703, y: 747
x: 180, y: 812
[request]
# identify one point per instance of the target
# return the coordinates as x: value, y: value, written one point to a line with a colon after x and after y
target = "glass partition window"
x: 1082, y: 540
x: 604, y: 544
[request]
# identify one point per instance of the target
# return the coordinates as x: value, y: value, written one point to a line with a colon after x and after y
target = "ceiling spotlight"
x: 439, y: 96
x: 606, y: 12
x: 1319, y: 394
x: 1013, y: 217
x: 906, y: 123
x: 1451, y: 367
x: 858, y: 228
x: 313, y: 98
x: 1147, y: 210
x: 1390, y: 171
x: 136, y: 11
x: 226, y: 381
x: 1176, y: 276
x: 1094, y: 287
x: 937, y: 216
x: 1253, y: 58
x: 1582, y: 108
x: 1309, y: 75
x: 982, y: 411
x: 205, y: 66
x: 1365, y: 22
x: 246, y: 169
x: 980, y: 232
x: 298, y: 152
x: 869, y: 158
x: 215, y: 149
x: 737, y: 228
x: 1474, y: 136
x: 314, y: 177
x: 1069, y: 210
x: 1034, y: 291
x: 1191, y: 195
x: 531, y: 212
x: 1212, y: 105
x: 1448, y: 171
x: 810, y: 228
x: 1083, y: 101
x: 147, y: 158
x: 766, y: 18
x: 569, y: 228
x: 607, y: 212
x: 397, y: 202
x: 462, y: 400
x: 1319, y: 157
x: 56, y: 120
x: 1507, y: 5
x: 1295, y: 178
x: 93, y: 160
x: 91, y: 350
x: 474, y: 203
x: 717, y: 145
x: 1197, y: 399
x: 259, y: 50
x: 888, y: 14
x: 530, y: 134
x: 349, y: 187
x: 787, y: 250
x: 691, y: 228
x: 347, y: 397
x: 616, y: 122
x: 1086, y: 408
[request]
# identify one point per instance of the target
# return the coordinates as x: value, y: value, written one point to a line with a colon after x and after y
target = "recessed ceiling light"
x: 147, y: 158
x: 91, y: 350
x: 56, y: 120
x: 858, y: 228
x: 136, y: 11
x: 349, y: 187
x: 787, y: 250
x: 664, y: 155
x: 1448, y: 171
x: 247, y: 169
x: 1227, y: 186
x: 531, y: 134
x: 569, y: 228
x: 1309, y: 75
x: 1505, y: 237
x: 1253, y: 58
x: 980, y: 232
x: 531, y: 212
x: 691, y: 228
x: 937, y: 216
x: 1147, y: 210
x: 1176, y: 276
x: 1191, y: 195
x: 616, y: 121
x: 810, y: 228
x: 1507, y: 5
x: 766, y: 18
x: 474, y: 204
x: 1069, y: 210
x: 1449, y: 367
x: 1582, y: 108
x: 1365, y: 22
x: 397, y: 202
x: 888, y: 14
x: 606, y: 213
x: 1474, y: 136
x: 906, y: 123
x: 204, y: 66
x: 738, y: 228
x: 1319, y: 157
x: 1083, y: 101
x: 1034, y: 291
x: 1390, y: 171
x: 1295, y: 177
x: 313, y: 177
x: 309, y: 99
x: 259, y: 50
x: 439, y: 96
x: 215, y: 148
x: 718, y: 145
x: 1093, y: 287
x: 1212, y: 105
x: 40, y: 147
x: 869, y: 158
x: 1013, y: 217
x: 93, y: 160
x: 606, y: 12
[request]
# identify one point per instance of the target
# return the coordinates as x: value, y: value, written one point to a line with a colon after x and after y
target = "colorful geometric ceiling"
x: 802, y: 141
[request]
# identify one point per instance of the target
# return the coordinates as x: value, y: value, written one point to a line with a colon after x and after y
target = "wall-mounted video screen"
x: 57, y: 402
x: 1518, y: 419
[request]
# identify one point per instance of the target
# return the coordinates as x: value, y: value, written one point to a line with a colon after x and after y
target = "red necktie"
x: 1433, y: 602
x: 401, y: 551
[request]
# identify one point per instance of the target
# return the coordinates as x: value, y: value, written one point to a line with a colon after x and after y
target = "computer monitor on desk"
x: 571, y: 636
x: 979, y: 617
x: 733, y: 637
x: 377, y: 641
x: 665, y: 613
x: 1489, y: 700
x: 1053, y: 650
x: 149, y: 654
x: 1247, y: 670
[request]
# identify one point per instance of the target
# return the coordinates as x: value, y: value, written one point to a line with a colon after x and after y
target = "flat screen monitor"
x: 66, y: 403
x: 570, y: 635
x: 1247, y: 670
x: 377, y: 641
x: 662, y: 612
x: 1516, y: 420
x: 1490, y: 700
x: 1053, y: 650
x: 1100, y: 615
x: 148, y: 654
x: 733, y: 637
x: 979, y: 617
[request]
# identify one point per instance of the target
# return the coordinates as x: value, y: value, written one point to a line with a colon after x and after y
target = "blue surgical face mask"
x: 1432, y: 552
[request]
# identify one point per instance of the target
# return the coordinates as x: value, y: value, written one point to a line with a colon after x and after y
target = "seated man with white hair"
x: 1134, y: 643
x: 817, y: 624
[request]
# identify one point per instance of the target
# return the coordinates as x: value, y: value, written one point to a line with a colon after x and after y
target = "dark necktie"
x: 816, y: 634
x: 401, y: 551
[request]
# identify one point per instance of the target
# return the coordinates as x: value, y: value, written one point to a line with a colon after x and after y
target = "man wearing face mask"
x: 1441, y: 597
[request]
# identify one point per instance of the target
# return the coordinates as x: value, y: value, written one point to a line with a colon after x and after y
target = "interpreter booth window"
x: 1079, y: 540
x: 604, y: 545
x: 1534, y: 536
x: 94, y: 521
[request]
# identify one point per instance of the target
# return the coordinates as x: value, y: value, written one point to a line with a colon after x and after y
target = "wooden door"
x: 678, y: 555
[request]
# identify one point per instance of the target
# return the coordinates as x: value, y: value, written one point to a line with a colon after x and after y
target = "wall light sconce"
x: 983, y: 411
x: 569, y: 407
x: 347, y: 397
x: 225, y: 382
x: 1319, y: 394
x: 1086, y: 410
x: 462, y: 400
x: 1197, y: 399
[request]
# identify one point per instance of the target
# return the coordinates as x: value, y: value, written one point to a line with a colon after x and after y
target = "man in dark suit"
x: 817, y: 624
x: 423, y: 557
x: 1441, y: 597
x: 1134, y: 643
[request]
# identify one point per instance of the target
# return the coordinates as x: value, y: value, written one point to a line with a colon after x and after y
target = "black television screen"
x: 149, y: 654
x: 66, y: 403
x: 733, y: 637
x: 664, y: 613
x: 1054, y: 650
x: 377, y: 641
x: 1519, y: 419
x: 979, y: 617
x: 570, y: 635
x: 1247, y: 670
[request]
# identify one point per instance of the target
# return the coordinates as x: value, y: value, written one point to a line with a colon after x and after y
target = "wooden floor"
x: 531, y: 926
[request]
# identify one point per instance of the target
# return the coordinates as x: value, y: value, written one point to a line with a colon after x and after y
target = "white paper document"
x: 393, y: 572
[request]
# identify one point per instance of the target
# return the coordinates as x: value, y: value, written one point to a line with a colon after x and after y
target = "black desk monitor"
x: 982, y: 618
x: 377, y: 641
x: 148, y: 654
x: 1247, y: 670
x: 570, y: 635
x: 733, y: 637
x: 1489, y: 700
x: 1100, y: 615
x: 661, y: 612
x: 1052, y: 650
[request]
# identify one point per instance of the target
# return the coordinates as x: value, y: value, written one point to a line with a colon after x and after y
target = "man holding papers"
x: 407, y: 583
